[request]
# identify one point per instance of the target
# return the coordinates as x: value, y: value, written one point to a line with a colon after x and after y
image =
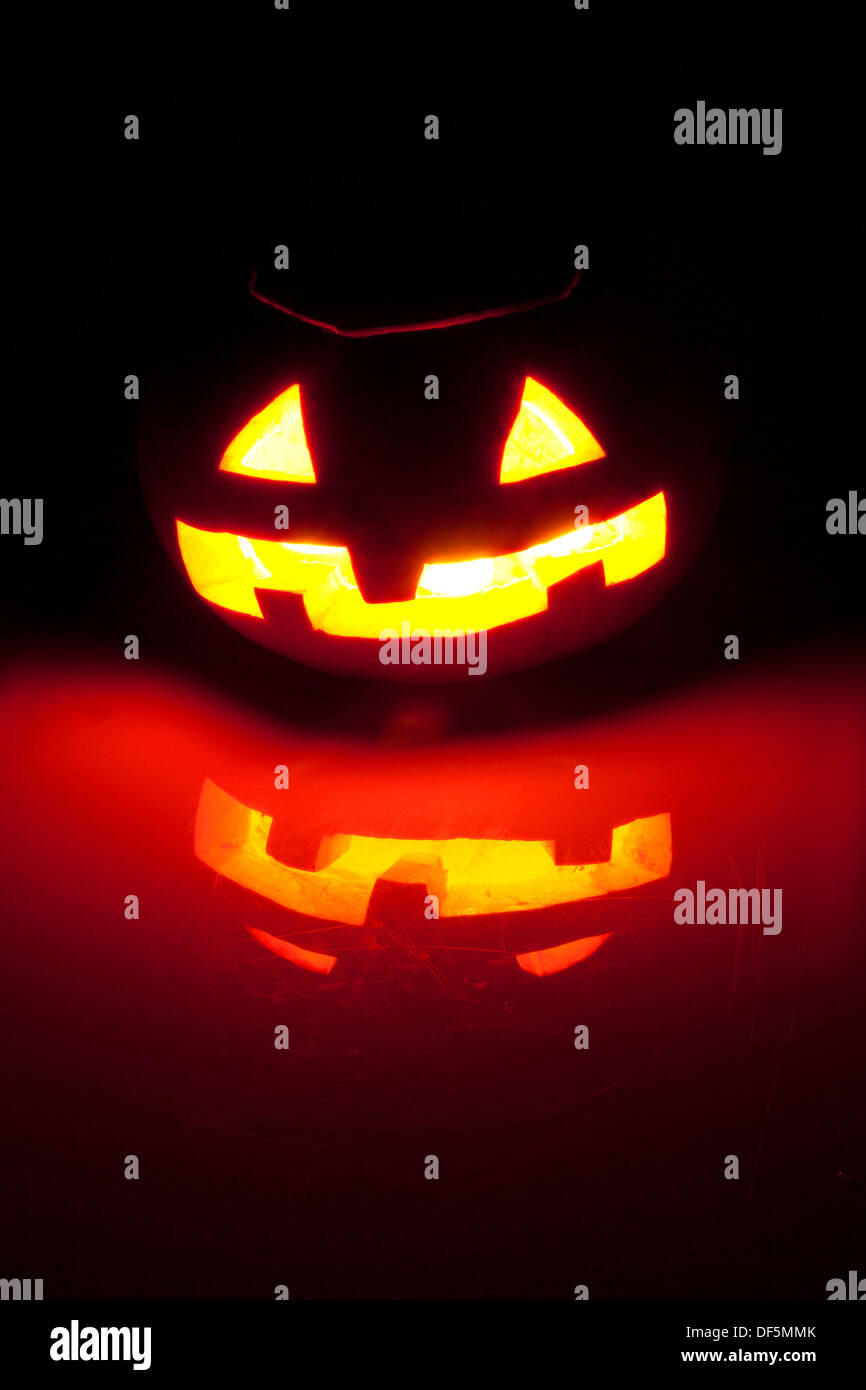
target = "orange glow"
x: 556, y: 958
x: 470, y: 877
x: 273, y: 444
x: 545, y: 436
x: 313, y: 961
x: 227, y: 570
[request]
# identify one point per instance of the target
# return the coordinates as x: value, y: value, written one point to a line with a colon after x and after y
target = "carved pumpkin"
x: 328, y: 509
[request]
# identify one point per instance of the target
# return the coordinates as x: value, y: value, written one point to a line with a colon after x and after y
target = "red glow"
x: 313, y: 961
x: 556, y: 958
x: 159, y: 1032
x: 470, y: 877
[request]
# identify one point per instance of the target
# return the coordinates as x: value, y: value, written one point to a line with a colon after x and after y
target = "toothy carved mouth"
x: 470, y: 877
x: 472, y: 595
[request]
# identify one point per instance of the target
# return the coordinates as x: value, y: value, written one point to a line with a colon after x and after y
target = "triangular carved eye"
x: 546, y: 436
x: 273, y: 444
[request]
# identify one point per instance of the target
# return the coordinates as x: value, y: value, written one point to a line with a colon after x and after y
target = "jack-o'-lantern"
x: 367, y: 514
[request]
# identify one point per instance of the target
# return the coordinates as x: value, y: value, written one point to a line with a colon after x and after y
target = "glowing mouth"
x: 470, y: 877
x: 473, y: 595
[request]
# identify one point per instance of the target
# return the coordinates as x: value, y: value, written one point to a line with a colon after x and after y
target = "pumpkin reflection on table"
x: 426, y: 1036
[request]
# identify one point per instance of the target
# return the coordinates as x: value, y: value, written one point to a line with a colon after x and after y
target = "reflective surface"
x: 600, y: 1165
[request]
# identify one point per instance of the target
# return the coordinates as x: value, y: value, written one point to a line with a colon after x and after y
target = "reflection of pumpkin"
x: 324, y: 869
x: 494, y: 508
x: 469, y: 877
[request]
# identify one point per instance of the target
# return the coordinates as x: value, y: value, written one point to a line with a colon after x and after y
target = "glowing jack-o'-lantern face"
x: 467, y: 877
x: 370, y: 503
x: 239, y: 574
